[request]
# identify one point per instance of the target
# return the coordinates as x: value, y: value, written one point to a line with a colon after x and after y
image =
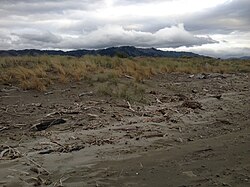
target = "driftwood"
x: 48, y: 123
x: 3, y: 128
x: 217, y: 96
x: 85, y: 94
x: 9, y: 153
x: 130, y: 107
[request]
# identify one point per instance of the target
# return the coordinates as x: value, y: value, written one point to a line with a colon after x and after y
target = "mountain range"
x: 124, y: 51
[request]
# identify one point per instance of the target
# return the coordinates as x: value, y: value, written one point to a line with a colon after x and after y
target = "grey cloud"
x: 230, y: 16
x: 129, y: 2
x: 46, y: 37
x: 232, y: 52
x: 29, y: 7
x: 106, y: 36
x: 113, y: 35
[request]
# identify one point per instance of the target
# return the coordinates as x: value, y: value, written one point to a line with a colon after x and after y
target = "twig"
x: 121, y: 173
x: 7, y: 96
x: 12, y: 114
x: 53, y: 113
x: 3, y: 128
x: 158, y: 100
x: 85, y: 94
x: 21, y: 113
x: 141, y: 165
x: 129, y: 106
x: 35, y: 163
x: 129, y: 77
x: 3, y: 152
x: 60, y: 182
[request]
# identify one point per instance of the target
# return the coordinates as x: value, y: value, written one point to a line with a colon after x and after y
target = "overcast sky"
x: 219, y: 28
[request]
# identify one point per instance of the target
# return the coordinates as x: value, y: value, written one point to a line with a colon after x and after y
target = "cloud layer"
x: 192, y: 25
x: 108, y: 36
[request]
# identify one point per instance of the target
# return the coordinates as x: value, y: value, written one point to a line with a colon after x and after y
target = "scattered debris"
x: 8, y: 152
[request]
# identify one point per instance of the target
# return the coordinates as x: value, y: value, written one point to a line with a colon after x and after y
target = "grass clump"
x: 129, y: 91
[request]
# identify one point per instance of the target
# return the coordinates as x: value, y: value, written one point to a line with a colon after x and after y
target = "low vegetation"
x: 38, y: 72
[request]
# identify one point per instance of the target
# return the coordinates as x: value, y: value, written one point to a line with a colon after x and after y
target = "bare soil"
x: 191, y: 130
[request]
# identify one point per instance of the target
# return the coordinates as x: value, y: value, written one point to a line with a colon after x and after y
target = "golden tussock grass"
x: 38, y: 72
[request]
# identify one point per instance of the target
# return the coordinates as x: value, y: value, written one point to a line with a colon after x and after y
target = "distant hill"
x: 245, y: 58
x: 124, y: 51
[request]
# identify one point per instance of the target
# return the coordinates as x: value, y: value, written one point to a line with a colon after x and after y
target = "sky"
x: 218, y: 28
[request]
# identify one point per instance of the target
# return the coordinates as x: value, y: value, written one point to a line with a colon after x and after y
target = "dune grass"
x: 38, y: 72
